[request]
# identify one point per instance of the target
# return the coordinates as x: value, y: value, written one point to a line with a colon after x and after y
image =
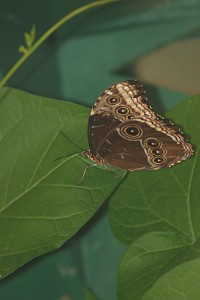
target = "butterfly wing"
x: 122, y: 123
x: 129, y: 94
x: 136, y: 145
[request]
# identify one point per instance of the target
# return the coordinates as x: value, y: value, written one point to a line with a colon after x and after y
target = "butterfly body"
x: 125, y: 132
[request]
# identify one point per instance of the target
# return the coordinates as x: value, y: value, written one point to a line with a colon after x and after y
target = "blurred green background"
x: 156, y: 42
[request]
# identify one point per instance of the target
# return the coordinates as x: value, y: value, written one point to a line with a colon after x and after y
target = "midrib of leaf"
x: 72, y: 186
x: 43, y: 218
x: 40, y: 180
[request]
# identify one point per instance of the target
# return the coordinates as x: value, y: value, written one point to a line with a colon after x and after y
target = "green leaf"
x: 29, y: 40
x: 145, y: 260
x: 42, y: 203
x: 30, y: 37
x: 33, y: 33
x: 164, y: 201
x: 180, y: 283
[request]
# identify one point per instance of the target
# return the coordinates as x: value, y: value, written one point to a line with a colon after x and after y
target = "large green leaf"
x: 164, y: 201
x: 43, y: 202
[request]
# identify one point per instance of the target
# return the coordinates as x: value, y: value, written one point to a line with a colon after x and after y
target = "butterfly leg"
x: 112, y: 171
x: 84, y: 172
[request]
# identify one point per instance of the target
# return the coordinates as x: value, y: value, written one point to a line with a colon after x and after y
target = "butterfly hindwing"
x: 139, y: 146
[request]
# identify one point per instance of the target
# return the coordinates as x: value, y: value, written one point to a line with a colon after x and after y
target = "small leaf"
x: 33, y: 33
x: 27, y: 38
x: 30, y: 37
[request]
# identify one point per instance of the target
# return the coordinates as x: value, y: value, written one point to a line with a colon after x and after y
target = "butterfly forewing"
x: 112, y: 101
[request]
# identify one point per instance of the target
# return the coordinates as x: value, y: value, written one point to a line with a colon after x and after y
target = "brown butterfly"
x: 125, y: 132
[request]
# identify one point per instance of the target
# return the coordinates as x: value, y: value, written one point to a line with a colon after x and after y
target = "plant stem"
x: 50, y: 31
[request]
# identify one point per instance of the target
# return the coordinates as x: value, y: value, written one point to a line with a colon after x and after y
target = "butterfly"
x: 125, y: 132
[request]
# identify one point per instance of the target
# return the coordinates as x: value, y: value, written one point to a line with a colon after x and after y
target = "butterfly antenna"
x: 66, y: 155
x: 60, y: 157
x: 72, y: 143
